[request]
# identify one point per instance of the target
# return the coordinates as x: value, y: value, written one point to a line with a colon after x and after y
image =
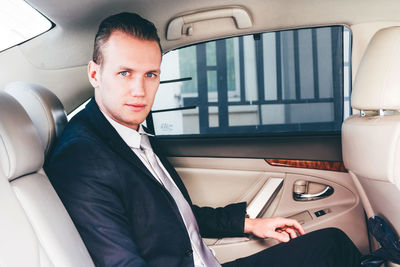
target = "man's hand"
x: 279, y: 228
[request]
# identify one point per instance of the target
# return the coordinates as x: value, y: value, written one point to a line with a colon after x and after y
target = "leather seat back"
x: 48, y: 227
x: 19, y: 245
x: 371, y: 138
x: 44, y: 109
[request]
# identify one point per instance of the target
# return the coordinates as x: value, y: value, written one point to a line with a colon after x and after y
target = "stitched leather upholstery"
x: 42, y: 227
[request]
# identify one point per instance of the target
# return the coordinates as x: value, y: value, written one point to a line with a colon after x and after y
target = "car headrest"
x: 21, y: 151
x: 377, y: 83
x: 43, y: 107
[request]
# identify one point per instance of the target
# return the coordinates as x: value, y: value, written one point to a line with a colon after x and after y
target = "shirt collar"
x: 131, y: 137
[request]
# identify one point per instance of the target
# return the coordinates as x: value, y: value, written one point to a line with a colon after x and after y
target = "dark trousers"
x: 322, y: 248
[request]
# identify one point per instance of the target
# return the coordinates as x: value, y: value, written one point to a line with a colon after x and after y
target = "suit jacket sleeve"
x: 87, y: 182
x: 221, y: 222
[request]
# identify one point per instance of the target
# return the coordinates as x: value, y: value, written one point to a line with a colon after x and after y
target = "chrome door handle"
x: 326, y: 192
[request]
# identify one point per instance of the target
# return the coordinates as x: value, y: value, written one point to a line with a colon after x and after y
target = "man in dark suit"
x: 127, y: 201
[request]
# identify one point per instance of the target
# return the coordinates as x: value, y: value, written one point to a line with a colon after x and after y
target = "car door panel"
x: 220, y: 181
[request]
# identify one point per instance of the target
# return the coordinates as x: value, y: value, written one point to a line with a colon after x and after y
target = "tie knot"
x: 144, y: 142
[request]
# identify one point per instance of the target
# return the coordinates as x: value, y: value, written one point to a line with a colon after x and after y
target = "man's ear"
x: 93, y: 73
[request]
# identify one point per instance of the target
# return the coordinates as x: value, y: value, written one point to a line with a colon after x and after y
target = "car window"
x: 279, y: 82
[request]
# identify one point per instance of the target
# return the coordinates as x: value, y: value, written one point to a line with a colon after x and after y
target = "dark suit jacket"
x: 124, y: 215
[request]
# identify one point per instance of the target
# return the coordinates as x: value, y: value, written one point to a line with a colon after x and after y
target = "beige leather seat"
x: 19, y: 245
x: 43, y: 234
x: 371, y: 138
x: 44, y: 109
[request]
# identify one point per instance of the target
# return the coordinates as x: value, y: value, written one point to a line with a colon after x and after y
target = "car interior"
x: 291, y: 106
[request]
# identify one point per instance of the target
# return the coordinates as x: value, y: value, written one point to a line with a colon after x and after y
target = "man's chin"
x: 133, y: 124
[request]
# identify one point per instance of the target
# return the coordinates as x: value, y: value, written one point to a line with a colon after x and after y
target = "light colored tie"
x: 184, y: 208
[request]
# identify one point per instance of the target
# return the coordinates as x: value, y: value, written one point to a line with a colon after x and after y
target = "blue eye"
x: 150, y: 75
x: 124, y: 73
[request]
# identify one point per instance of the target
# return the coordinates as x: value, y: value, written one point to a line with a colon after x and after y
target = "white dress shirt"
x: 132, y: 139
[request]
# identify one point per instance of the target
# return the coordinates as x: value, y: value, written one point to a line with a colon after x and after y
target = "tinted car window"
x: 287, y: 81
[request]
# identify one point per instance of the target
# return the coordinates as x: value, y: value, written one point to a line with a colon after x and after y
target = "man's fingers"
x: 282, y: 237
x: 291, y: 223
x: 279, y: 228
x: 291, y: 232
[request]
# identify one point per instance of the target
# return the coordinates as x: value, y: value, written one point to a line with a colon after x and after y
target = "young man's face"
x: 127, y: 80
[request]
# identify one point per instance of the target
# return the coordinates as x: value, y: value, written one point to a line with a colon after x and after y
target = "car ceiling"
x: 77, y: 16
x: 68, y: 46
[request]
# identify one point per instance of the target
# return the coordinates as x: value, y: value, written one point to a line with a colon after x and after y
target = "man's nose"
x: 138, y: 87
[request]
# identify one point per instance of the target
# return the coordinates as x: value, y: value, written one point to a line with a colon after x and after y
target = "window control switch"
x: 319, y: 213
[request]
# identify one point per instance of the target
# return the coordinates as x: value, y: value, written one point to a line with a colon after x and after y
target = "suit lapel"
x: 111, y: 137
